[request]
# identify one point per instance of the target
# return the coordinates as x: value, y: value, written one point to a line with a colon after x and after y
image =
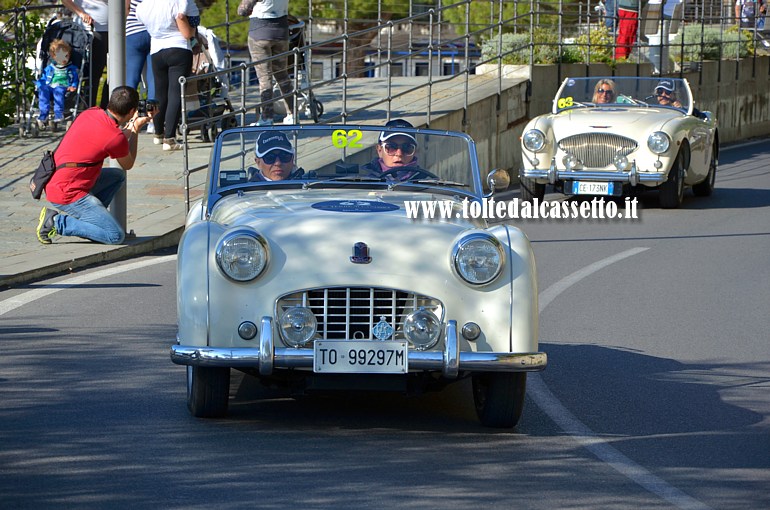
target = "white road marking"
x: 587, y: 438
x: 25, y: 298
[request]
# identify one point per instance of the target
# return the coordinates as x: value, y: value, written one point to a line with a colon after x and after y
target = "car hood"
x: 318, y: 229
x: 610, y: 120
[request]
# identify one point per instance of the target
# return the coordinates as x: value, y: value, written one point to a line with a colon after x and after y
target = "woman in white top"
x: 170, y: 31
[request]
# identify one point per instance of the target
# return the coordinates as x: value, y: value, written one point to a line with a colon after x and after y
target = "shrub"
x: 712, y: 43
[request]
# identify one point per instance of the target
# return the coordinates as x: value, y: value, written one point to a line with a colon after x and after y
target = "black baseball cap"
x: 665, y: 85
x: 268, y: 141
x: 396, y: 123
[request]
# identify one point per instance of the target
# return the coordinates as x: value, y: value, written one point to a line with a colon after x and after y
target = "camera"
x: 150, y: 105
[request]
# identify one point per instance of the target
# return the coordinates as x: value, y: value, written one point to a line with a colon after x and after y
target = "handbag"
x: 42, y: 175
x: 45, y: 171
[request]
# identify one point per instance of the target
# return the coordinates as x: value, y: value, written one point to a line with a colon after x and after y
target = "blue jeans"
x: 137, y: 56
x: 89, y: 217
x: 44, y: 95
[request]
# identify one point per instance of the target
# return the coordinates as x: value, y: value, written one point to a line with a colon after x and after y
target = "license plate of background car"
x: 592, y: 188
x: 360, y: 357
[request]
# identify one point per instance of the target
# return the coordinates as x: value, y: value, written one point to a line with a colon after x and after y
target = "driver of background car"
x: 274, y: 156
x: 604, y: 92
x: 665, y: 92
x: 395, y: 151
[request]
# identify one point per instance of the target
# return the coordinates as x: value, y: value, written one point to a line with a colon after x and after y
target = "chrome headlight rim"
x: 533, y: 140
x: 260, y: 244
x: 658, y: 142
x: 462, y: 243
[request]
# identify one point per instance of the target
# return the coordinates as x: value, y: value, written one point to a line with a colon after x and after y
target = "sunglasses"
x: 663, y: 92
x: 270, y: 157
x: 603, y: 91
x: 407, y: 149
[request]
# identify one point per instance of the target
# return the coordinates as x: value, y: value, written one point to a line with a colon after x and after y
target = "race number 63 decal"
x: 342, y: 138
x: 565, y: 102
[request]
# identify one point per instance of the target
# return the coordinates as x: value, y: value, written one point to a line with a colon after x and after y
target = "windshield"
x: 340, y: 156
x: 623, y: 92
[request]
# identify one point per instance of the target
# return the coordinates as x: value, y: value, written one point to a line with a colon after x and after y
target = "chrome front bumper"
x: 632, y: 177
x: 267, y: 357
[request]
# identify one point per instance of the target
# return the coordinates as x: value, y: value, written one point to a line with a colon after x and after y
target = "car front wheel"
x: 208, y: 390
x: 531, y: 190
x: 499, y: 398
x: 672, y: 191
x: 706, y: 187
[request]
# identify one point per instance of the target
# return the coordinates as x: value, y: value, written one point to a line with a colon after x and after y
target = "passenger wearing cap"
x: 274, y: 157
x: 395, y: 151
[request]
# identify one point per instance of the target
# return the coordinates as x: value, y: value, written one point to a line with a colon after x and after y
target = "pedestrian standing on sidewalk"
x: 168, y: 23
x: 81, y: 191
x: 138, y: 54
x: 628, y: 26
x: 269, y: 36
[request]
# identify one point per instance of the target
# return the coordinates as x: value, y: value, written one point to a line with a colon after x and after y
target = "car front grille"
x: 597, y: 150
x: 350, y: 313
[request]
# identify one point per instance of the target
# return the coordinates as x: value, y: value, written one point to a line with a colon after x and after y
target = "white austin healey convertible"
x: 621, y: 136
x: 312, y: 264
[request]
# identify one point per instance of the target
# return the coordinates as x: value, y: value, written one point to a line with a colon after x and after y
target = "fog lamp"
x: 298, y: 326
x: 422, y: 329
x: 570, y: 161
x: 621, y: 162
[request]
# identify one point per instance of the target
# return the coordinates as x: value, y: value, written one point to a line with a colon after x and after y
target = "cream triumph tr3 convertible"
x: 621, y: 136
x: 330, y: 280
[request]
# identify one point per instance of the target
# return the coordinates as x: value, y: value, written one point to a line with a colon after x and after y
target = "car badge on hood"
x: 382, y: 330
x: 360, y: 254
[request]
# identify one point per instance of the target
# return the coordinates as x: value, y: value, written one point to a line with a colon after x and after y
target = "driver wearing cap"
x: 395, y: 151
x: 665, y: 92
x: 274, y: 157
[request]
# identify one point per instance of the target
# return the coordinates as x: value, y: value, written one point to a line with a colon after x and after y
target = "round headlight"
x: 242, y: 255
x: 422, y: 329
x: 533, y: 140
x: 659, y: 142
x: 298, y: 326
x: 478, y: 258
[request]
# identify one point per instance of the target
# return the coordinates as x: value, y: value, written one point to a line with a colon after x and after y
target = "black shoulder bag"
x: 45, y: 171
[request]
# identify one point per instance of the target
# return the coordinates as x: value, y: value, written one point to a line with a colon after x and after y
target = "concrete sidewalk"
x: 156, y: 205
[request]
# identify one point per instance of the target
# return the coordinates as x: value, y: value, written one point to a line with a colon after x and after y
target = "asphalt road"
x: 656, y: 395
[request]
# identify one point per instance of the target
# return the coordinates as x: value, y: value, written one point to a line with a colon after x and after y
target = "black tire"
x: 672, y: 191
x: 213, y: 131
x: 499, y: 398
x: 316, y: 108
x: 205, y: 133
x: 208, y: 391
x: 706, y: 187
x: 531, y: 190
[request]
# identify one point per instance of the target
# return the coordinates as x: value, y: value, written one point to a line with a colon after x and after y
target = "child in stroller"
x: 79, y: 41
x: 59, y: 77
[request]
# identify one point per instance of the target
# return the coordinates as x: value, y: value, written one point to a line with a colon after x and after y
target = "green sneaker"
x: 46, y: 228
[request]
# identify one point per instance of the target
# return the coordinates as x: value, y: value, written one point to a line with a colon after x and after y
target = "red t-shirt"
x: 93, y: 137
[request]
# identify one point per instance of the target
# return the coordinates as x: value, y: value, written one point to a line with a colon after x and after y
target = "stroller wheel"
x: 213, y: 131
x: 205, y: 133
x: 230, y: 122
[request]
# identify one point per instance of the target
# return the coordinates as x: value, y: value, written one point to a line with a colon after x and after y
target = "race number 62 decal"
x: 342, y: 138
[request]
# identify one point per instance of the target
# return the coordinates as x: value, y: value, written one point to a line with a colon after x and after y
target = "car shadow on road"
x: 645, y: 405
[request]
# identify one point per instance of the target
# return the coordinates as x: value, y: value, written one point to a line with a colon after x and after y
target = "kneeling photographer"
x: 81, y: 190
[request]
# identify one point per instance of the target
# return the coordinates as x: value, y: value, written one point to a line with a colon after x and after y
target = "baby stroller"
x: 79, y: 38
x: 210, y: 98
x: 307, y: 103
